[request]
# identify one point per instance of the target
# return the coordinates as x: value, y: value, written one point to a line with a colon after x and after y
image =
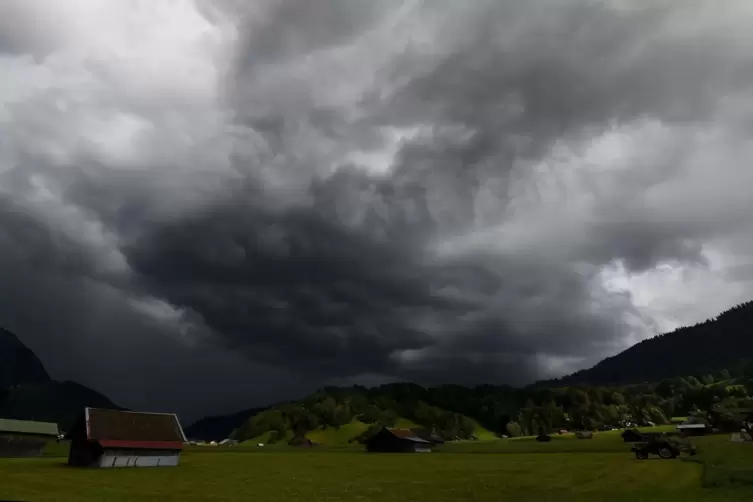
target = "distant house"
x: 693, y: 429
x: 397, y: 441
x: 23, y: 438
x: 110, y: 438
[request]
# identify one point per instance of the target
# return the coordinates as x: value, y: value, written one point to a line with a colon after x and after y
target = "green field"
x: 516, y: 469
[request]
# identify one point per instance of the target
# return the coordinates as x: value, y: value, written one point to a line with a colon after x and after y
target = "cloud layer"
x: 221, y: 193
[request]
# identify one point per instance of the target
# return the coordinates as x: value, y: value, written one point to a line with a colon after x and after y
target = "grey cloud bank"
x: 213, y: 205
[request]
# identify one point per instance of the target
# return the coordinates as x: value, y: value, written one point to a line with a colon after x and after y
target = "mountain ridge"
x: 18, y: 363
x: 684, y: 351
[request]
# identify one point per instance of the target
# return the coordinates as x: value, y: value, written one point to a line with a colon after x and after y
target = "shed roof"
x: 28, y: 427
x: 407, y: 434
x: 691, y: 426
x: 130, y: 429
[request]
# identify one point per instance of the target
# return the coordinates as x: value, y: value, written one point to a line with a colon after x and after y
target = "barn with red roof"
x: 397, y: 441
x: 113, y: 438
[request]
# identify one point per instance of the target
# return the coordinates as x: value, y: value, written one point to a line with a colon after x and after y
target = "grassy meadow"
x: 508, y: 469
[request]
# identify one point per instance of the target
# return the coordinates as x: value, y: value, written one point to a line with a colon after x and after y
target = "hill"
x: 724, y: 342
x: 28, y: 393
x: 342, y: 415
x: 218, y: 427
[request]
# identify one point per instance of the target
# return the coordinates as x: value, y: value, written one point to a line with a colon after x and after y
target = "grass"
x: 566, y: 469
x: 332, y: 436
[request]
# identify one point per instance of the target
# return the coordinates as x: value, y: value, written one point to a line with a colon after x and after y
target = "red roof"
x: 407, y: 434
x: 128, y: 429
x: 403, y: 433
x: 141, y: 445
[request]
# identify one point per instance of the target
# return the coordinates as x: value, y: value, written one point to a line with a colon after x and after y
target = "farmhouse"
x: 22, y: 438
x: 109, y: 438
x: 398, y: 441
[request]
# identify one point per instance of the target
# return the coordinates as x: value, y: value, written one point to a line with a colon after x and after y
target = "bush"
x: 274, y: 437
x: 514, y: 430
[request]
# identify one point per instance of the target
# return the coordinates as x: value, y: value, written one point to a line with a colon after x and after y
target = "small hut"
x: 110, y: 438
x: 397, y: 441
x: 23, y: 438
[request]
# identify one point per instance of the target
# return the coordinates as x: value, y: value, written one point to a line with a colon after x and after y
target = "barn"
x: 397, y: 441
x: 23, y: 438
x: 110, y: 438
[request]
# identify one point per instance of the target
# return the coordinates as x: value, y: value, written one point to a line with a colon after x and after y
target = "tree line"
x: 454, y: 411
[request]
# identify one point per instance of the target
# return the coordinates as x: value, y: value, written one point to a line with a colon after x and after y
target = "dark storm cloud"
x: 369, y: 190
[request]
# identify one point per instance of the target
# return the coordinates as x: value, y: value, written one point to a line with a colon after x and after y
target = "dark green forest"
x: 725, y: 341
x: 456, y: 412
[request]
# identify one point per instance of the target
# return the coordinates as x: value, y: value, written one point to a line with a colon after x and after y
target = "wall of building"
x: 17, y: 445
x: 139, y: 458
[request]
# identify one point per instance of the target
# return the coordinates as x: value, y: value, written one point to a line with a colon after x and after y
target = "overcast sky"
x: 215, y: 204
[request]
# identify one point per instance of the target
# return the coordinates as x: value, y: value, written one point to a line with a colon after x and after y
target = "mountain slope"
x: 28, y: 393
x: 59, y: 402
x: 219, y: 427
x: 18, y: 364
x: 725, y: 342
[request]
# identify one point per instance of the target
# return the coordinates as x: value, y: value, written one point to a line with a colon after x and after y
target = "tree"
x: 387, y: 418
x: 513, y: 429
x: 342, y: 415
x: 724, y: 374
x: 325, y: 410
x: 618, y: 399
x: 371, y: 414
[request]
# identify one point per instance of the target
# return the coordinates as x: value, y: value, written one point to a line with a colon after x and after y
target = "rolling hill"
x: 218, y: 427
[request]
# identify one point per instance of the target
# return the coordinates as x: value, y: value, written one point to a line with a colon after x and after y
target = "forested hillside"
x: 723, y: 342
x: 461, y: 412
x: 676, y: 374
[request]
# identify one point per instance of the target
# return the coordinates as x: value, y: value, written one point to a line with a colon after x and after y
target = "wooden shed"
x: 110, y: 438
x: 397, y: 441
x: 23, y: 438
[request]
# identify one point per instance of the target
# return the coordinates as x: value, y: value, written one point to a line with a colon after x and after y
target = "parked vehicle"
x: 664, y: 447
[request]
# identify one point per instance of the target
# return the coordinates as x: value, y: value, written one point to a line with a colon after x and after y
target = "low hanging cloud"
x: 331, y: 190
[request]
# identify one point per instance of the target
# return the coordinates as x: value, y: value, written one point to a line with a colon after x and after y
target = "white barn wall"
x: 129, y: 458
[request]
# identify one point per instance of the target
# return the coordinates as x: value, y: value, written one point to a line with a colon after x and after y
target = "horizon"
x: 214, y: 415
